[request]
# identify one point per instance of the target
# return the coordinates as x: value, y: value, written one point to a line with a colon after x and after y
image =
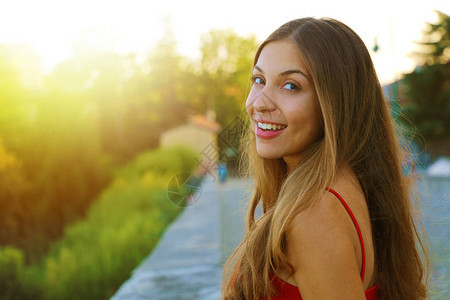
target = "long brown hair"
x: 358, y: 131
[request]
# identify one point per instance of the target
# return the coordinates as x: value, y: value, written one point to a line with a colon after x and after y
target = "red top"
x: 287, y: 291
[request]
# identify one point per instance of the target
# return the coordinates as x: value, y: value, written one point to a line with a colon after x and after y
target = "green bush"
x: 96, y: 255
x: 11, y: 265
x: 161, y: 161
x: 17, y: 281
x: 123, y: 225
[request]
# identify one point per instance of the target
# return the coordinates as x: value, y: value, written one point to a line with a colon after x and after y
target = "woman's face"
x: 282, y: 104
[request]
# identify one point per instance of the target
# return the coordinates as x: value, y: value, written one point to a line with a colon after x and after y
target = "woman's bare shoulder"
x: 329, y: 211
x: 321, y: 249
x: 322, y: 243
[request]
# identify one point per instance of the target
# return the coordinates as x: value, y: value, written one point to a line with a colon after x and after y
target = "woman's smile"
x: 268, y: 133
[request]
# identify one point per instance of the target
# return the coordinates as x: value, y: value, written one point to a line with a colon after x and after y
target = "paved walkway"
x: 187, y: 262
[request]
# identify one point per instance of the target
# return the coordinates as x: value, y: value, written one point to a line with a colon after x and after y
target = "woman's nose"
x: 263, y: 102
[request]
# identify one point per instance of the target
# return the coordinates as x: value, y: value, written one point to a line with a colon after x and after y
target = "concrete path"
x: 187, y: 262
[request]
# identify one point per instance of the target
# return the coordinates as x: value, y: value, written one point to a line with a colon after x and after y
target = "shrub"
x: 97, y: 254
x: 16, y: 281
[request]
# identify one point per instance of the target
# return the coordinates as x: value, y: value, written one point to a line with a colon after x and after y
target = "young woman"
x: 326, y: 166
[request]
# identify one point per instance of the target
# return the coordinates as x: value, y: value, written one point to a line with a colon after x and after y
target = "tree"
x: 428, y: 86
x: 156, y: 95
x: 436, y: 43
x: 227, y: 60
x: 51, y: 162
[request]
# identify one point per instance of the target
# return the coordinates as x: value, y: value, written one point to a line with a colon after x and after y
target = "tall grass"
x: 97, y: 254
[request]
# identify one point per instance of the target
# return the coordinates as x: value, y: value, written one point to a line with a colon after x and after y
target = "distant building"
x: 200, y: 134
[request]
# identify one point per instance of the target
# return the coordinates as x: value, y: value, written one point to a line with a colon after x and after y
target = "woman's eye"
x: 257, y: 80
x: 290, y: 87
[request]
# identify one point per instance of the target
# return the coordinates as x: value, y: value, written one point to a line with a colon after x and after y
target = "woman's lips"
x: 267, y: 134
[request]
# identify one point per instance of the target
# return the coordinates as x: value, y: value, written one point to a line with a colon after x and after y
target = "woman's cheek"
x: 250, y: 100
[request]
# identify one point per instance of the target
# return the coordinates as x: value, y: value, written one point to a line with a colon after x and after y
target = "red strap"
x: 363, y: 265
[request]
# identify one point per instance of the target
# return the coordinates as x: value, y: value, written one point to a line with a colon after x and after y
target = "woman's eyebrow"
x: 294, y: 71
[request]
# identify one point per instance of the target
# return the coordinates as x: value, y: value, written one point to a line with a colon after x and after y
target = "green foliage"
x: 97, y: 255
x: 64, y: 136
x: 227, y: 61
x: 429, y: 92
x: 16, y: 281
x: 436, y: 41
x: 15, y: 188
x: 62, y: 168
x: 224, y: 80
x: 11, y: 265
x: 161, y: 161
x: 428, y: 87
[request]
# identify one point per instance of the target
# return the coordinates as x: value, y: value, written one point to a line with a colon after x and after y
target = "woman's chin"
x: 268, y: 154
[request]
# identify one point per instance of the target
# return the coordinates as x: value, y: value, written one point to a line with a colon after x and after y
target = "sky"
x: 134, y: 26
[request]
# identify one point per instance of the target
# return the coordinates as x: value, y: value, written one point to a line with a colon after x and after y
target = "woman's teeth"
x: 267, y: 126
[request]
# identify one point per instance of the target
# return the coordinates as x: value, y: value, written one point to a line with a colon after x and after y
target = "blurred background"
x: 95, y: 95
